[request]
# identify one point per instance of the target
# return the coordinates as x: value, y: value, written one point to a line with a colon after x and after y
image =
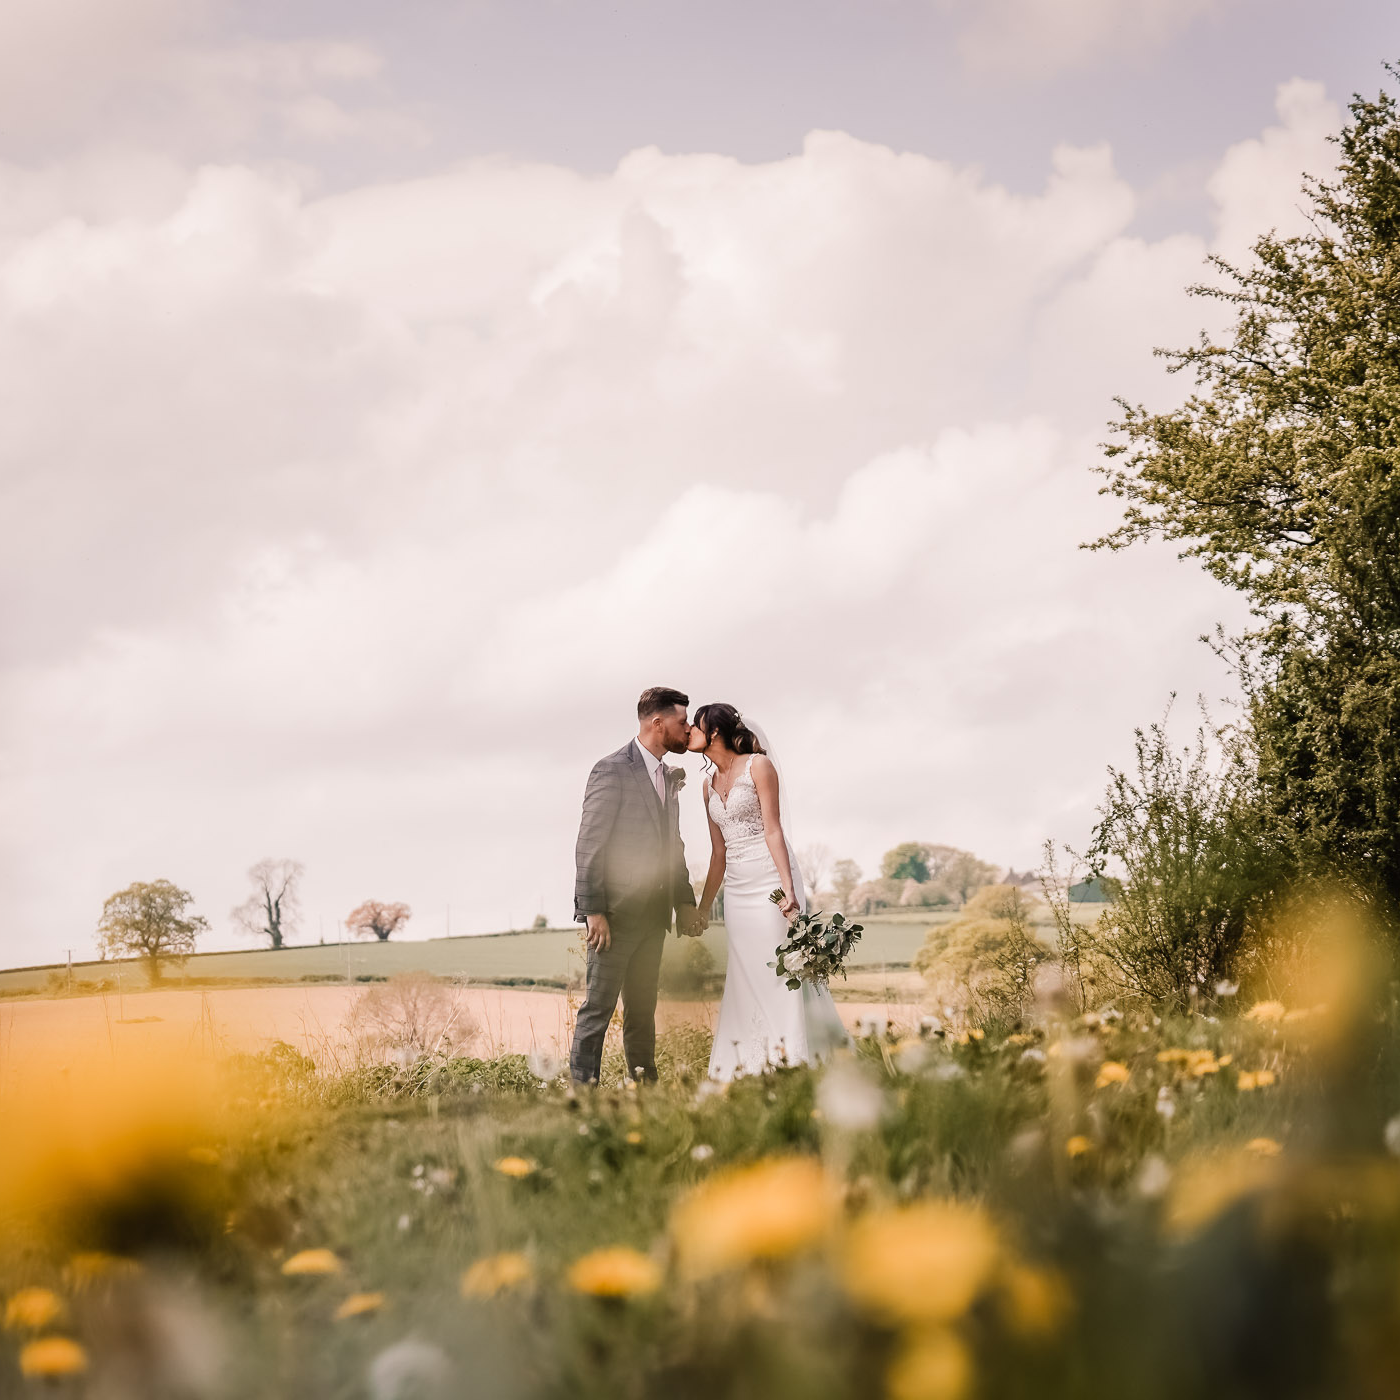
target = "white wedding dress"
x: 761, y: 1021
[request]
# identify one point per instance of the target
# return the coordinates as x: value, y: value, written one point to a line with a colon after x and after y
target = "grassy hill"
x: 548, y: 956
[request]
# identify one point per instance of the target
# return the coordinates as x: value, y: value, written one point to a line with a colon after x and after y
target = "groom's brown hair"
x: 658, y: 699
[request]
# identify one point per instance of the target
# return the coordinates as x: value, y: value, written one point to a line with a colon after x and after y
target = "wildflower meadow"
x: 1083, y: 1203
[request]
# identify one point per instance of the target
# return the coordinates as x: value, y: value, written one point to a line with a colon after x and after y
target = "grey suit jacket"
x: 629, y: 861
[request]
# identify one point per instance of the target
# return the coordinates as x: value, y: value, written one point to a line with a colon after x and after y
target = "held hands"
x: 599, y: 936
x: 691, y: 922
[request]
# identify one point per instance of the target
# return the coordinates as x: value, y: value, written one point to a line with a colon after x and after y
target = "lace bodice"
x: 740, y: 819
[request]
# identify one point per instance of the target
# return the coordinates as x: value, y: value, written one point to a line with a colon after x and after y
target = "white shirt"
x: 651, y: 761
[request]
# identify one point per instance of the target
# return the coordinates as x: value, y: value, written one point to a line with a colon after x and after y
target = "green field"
x: 549, y: 956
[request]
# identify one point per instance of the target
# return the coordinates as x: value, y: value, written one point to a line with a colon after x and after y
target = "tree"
x: 906, y: 861
x: 961, y: 874
x: 149, y: 921
x: 845, y: 876
x: 814, y: 863
x: 273, y: 909
x: 988, y: 954
x: 1281, y: 474
x: 375, y: 920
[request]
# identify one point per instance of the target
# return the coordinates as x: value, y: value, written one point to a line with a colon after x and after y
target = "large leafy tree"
x: 1280, y: 474
x: 149, y: 920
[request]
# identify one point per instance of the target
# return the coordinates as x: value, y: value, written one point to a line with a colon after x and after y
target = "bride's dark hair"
x: 721, y: 721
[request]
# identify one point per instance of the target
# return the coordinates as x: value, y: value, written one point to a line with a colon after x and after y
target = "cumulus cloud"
x: 355, y: 523
x: 1044, y: 36
x: 154, y: 72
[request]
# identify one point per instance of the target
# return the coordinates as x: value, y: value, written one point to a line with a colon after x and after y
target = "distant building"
x: 1090, y: 892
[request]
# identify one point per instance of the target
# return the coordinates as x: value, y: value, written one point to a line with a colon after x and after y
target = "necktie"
x: 660, y: 776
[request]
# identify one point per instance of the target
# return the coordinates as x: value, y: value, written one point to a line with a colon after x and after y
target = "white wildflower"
x: 847, y: 1099
x: 701, y: 1152
x: 545, y: 1065
x: 409, y: 1370
x: 1153, y: 1178
x: 1392, y: 1136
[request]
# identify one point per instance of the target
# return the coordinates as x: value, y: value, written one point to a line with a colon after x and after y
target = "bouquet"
x: 814, y: 947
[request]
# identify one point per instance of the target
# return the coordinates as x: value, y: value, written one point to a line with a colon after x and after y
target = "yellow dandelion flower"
x: 1111, y: 1072
x: 1266, y: 1012
x: 359, y: 1305
x: 1225, y: 1060
x: 977, y: 1034
x: 496, y: 1273
x: 1018, y: 1039
x: 1265, y: 1077
x: 1078, y: 1145
x: 32, y: 1309
x: 1173, y: 1056
x: 48, y: 1358
x: 1036, y: 1300
x: 922, y: 1263
x: 516, y: 1167
x: 634, y: 1139
x: 1246, y: 1081
x: 766, y: 1211
x: 618, y: 1272
x: 312, y: 1261
x: 932, y: 1365
x: 1264, y: 1147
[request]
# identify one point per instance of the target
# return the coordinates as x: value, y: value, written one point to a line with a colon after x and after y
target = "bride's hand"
x: 789, y: 908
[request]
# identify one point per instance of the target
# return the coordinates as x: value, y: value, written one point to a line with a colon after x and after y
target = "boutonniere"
x: 675, y: 779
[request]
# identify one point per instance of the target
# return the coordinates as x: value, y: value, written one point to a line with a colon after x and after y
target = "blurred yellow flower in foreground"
x: 1111, y: 1072
x: 48, y: 1358
x: 931, y: 1366
x: 1266, y: 1012
x: 1035, y: 1300
x: 1078, y: 1145
x: 922, y: 1263
x: 1205, y: 1187
x: 359, y: 1305
x: 90, y: 1266
x: 634, y: 1138
x: 618, y: 1272
x: 1255, y: 1079
x: 494, y: 1274
x: 32, y: 1309
x: 1263, y: 1147
x: 515, y: 1167
x: 766, y: 1211
x: 312, y: 1261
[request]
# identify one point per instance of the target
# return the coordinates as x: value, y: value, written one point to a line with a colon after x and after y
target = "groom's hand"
x: 599, y: 936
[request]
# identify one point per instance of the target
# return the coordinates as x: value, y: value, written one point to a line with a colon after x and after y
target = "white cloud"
x: 1257, y: 186
x: 354, y: 524
x: 1044, y: 36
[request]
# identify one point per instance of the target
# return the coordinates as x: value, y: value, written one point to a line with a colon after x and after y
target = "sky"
x: 389, y: 393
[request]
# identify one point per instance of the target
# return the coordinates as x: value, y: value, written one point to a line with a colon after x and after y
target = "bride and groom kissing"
x: 631, y: 877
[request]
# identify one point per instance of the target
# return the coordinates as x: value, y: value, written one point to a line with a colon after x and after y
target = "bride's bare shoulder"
x: 761, y: 766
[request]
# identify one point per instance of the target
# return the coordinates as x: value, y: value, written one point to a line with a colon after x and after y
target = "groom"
x: 631, y: 874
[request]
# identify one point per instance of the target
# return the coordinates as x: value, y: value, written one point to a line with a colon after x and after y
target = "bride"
x: 761, y: 1022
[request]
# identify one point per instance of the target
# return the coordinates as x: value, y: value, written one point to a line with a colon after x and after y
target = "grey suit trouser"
x: 630, y: 967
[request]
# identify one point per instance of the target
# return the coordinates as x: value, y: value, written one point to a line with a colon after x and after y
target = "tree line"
x: 153, y: 920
